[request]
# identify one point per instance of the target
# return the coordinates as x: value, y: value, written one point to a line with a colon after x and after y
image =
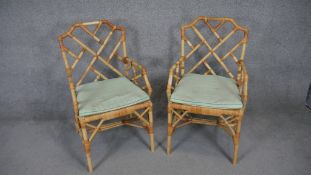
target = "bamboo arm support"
x: 174, y: 75
x: 243, y: 82
x: 170, y: 81
x: 138, y: 68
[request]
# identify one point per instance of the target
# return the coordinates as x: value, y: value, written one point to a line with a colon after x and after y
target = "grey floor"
x: 272, y: 142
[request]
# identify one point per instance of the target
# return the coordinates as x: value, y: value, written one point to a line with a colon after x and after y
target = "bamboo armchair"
x: 181, y: 114
x: 94, y: 52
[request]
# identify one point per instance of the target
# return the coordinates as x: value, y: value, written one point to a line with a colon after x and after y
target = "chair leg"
x: 236, y: 142
x: 169, y: 132
x: 87, y: 148
x: 150, y: 130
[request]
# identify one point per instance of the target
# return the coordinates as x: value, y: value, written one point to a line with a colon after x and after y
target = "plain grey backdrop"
x: 37, y: 135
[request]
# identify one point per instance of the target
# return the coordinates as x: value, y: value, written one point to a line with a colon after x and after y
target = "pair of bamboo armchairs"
x: 101, y: 103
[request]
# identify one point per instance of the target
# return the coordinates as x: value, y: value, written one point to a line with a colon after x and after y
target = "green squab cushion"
x: 211, y: 91
x: 107, y: 95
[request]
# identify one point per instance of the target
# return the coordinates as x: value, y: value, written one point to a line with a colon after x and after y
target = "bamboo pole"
x: 150, y: 130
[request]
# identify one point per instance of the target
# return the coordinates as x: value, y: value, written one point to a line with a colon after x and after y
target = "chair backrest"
x: 90, y: 50
x: 213, y: 41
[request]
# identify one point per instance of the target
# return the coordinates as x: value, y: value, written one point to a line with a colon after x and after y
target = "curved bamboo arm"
x: 242, y: 80
x: 175, y: 75
x: 138, y: 71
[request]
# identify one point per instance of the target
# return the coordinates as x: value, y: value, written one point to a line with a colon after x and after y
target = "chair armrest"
x: 175, y: 75
x: 242, y: 81
x: 134, y: 71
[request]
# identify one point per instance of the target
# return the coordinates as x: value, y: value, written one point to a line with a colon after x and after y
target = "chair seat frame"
x: 138, y: 115
x: 180, y: 115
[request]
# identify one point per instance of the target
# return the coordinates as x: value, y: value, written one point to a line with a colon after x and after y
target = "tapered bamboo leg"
x: 169, y: 131
x: 150, y: 130
x: 236, y: 142
x: 87, y: 148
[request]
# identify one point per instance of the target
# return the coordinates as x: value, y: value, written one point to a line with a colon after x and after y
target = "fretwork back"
x: 92, y: 51
x: 213, y: 46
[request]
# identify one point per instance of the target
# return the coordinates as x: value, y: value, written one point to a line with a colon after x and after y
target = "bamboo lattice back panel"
x: 92, y: 51
x: 212, y: 46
